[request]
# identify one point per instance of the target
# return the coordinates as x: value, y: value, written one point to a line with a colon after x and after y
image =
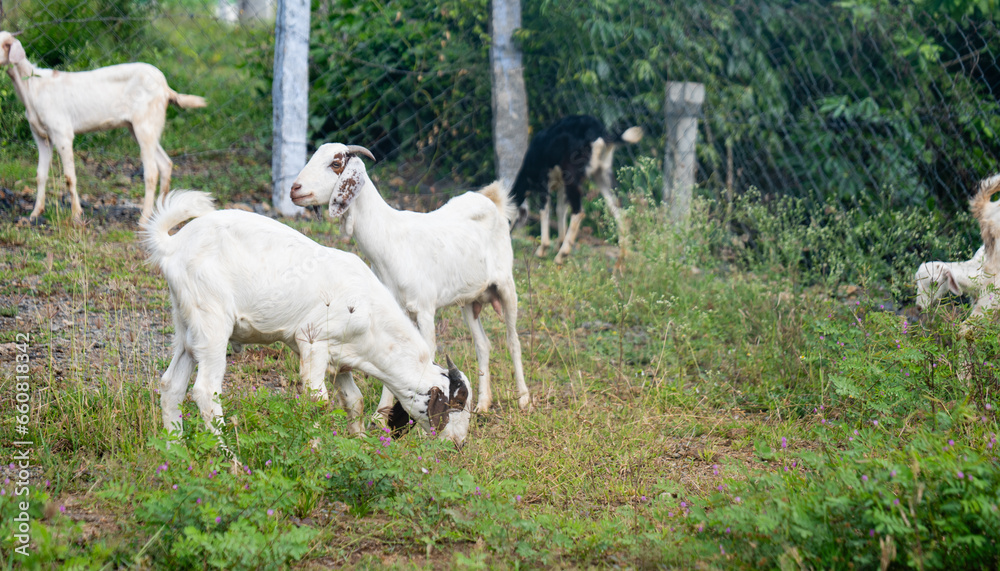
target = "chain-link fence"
x: 814, y: 99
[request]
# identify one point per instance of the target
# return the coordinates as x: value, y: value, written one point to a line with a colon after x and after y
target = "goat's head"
x: 446, y: 409
x: 11, y: 50
x: 335, y: 175
x: 933, y: 280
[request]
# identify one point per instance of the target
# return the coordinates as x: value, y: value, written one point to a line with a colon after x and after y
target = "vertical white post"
x: 290, y: 98
x: 683, y: 106
x: 510, y: 100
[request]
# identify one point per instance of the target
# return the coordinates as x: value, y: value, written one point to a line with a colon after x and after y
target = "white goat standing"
x: 236, y: 276
x: 460, y: 254
x: 61, y: 104
x: 934, y: 279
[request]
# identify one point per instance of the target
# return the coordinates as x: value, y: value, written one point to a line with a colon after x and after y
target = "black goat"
x: 558, y: 161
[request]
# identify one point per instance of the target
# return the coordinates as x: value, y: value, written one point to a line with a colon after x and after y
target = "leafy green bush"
x: 864, y: 499
x: 827, y: 245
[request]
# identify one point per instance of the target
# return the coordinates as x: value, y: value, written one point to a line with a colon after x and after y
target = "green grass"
x: 652, y: 387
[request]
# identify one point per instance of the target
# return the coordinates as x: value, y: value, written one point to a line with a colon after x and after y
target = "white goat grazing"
x: 61, y: 104
x: 459, y: 254
x: 934, y: 279
x: 241, y: 277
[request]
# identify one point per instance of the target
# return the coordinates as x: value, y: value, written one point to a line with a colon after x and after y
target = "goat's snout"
x: 297, y: 195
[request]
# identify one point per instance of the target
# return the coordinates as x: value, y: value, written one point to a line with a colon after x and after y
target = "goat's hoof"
x: 524, y: 402
x: 482, y: 407
x: 560, y: 258
x: 540, y: 252
x: 33, y: 220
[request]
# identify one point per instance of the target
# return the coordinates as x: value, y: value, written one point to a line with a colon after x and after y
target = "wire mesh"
x: 828, y: 101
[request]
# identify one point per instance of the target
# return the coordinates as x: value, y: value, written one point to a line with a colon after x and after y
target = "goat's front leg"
x: 65, y: 149
x: 353, y: 402
x: 44, y: 162
x: 482, y: 356
x: 616, y: 212
x: 544, y: 214
x: 313, y: 359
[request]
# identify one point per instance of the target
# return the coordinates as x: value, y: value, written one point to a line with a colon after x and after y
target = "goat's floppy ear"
x: 953, y: 287
x: 437, y: 409
x: 16, y: 52
x: 349, y: 184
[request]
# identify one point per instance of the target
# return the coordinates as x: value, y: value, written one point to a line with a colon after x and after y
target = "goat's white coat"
x: 236, y: 276
x: 61, y: 104
x: 934, y: 279
x: 460, y: 254
x: 987, y: 213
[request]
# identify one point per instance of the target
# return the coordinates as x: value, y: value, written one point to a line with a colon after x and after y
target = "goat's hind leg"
x: 153, y: 159
x: 576, y: 204
x: 173, y: 387
x: 482, y: 344
x: 508, y: 301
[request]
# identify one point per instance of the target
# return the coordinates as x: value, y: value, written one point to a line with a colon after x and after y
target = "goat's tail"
x: 500, y: 196
x: 185, y: 101
x: 986, y: 211
x: 172, y: 209
x: 631, y: 135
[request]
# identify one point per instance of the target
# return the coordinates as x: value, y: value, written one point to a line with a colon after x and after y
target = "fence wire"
x: 828, y: 101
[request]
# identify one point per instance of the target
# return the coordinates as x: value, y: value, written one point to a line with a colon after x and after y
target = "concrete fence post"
x: 290, y: 100
x: 683, y: 106
x: 510, y: 100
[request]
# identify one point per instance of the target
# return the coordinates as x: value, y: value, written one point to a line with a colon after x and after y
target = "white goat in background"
x: 61, y: 104
x: 460, y: 254
x: 935, y: 279
x: 987, y: 213
x: 240, y: 277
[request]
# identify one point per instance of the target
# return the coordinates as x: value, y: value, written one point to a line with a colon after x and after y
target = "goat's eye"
x: 337, y: 164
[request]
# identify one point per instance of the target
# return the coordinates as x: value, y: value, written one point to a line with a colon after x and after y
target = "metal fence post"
x: 290, y: 98
x: 683, y: 107
x: 510, y: 101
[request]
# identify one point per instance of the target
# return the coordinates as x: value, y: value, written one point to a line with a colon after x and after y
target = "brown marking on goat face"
x: 339, y: 162
x: 437, y: 409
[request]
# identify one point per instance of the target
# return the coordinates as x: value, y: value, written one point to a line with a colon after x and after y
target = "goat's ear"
x: 437, y: 409
x: 953, y: 287
x: 349, y: 184
x: 16, y: 52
